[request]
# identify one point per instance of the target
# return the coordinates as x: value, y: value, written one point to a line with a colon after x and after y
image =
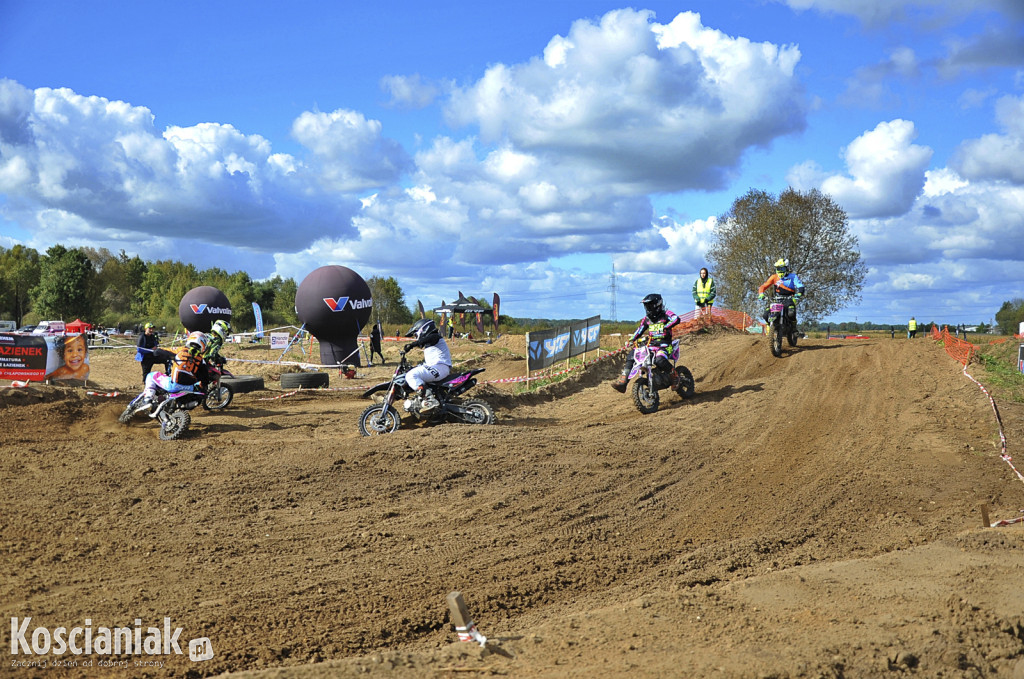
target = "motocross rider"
x: 658, y: 322
x: 218, y: 335
x: 437, y: 362
x: 787, y: 285
x: 184, y: 367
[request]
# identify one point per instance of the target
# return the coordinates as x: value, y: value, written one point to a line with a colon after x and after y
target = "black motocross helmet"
x: 654, y: 305
x: 423, y: 326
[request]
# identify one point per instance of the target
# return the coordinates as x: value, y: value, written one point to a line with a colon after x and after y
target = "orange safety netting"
x: 959, y: 349
x: 693, y: 321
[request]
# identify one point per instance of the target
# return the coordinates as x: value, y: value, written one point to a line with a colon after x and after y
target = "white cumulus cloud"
x: 997, y: 156
x: 886, y: 171
x: 654, y: 106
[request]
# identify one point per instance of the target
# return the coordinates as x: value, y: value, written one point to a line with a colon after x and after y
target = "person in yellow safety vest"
x: 912, y: 328
x: 704, y: 292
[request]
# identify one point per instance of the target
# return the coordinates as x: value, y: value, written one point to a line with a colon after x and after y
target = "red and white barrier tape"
x: 470, y: 633
x: 1002, y: 444
x: 109, y: 394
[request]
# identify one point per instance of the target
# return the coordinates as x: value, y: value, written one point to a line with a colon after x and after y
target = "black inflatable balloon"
x: 201, y: 306
x: 334, y: 302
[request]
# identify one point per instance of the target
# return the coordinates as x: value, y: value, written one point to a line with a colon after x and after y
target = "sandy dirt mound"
x: 814, y: 515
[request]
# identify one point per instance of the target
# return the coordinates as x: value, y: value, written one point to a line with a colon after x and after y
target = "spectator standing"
x: 375, y: 335
x: 146, y: 345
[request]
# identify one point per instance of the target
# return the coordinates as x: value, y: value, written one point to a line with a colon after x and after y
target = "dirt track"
x: 815, y: 515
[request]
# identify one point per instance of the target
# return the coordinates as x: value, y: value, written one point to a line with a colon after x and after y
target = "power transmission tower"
x: 612, y: 289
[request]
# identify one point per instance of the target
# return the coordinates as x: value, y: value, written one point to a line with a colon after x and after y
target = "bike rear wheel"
x: 375, y: 421
x: 479, y: 412
x: 686, y: 385
x: 645, y: 398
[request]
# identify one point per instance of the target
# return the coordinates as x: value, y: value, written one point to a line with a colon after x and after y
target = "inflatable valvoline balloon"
x: 201, y: 306
x: 334, y: 303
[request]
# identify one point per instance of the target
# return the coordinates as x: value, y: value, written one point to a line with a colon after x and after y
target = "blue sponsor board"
x: 547, y: 347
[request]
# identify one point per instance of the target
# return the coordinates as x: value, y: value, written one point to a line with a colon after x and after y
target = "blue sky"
x: 521, y: 148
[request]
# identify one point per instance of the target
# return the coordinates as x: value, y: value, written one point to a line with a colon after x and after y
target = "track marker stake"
x: 464, y: 625
x: 984, y: 516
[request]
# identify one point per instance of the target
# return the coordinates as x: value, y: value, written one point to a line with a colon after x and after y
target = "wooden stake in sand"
x: 984, y: 516
x: 464, y: 625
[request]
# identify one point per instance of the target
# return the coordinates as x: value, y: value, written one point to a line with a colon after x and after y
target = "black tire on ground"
x: 645, y: 399
x: 304, y: 380
x: 372, y: 423
x: 242, y: 384
x: 793, y: 338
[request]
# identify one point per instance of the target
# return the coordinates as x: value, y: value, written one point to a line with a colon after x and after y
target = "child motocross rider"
x: 658, y: 323
x: 437, y: 362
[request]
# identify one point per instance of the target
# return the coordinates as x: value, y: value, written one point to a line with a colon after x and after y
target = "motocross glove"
x: 760, y: 295
x: 407, y: 348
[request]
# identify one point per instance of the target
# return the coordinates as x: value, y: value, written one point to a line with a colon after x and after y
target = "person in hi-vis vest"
x: 912, y: 328
x: 704, y: 292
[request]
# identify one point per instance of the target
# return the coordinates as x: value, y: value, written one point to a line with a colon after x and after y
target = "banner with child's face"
x: 37, y: 358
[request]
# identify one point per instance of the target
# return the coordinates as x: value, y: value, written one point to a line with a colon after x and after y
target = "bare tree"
x: 808, y: 229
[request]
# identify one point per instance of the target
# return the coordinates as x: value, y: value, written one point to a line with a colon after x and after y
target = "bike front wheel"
x: 377, y: 420
x: 645, y: 397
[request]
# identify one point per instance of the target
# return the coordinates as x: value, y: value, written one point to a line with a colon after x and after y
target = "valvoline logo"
x: 200, y: 308
x: 338, y: 303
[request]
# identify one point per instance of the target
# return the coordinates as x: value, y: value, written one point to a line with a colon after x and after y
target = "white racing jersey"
x: 438, y: 353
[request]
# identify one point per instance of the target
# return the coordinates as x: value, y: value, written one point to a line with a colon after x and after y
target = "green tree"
x: 19, y: 274
x: 276, y: 297
x: 808, y: 229
x: 163, y: 285
x: 117, y: 286
x: 66, y: 280
x: 388, y: 301
x: 1010, y: 315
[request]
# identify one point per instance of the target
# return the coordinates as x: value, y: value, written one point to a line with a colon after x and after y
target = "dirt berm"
x: 810, y: 516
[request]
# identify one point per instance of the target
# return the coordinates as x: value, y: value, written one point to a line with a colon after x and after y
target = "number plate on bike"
x: 775, y: 307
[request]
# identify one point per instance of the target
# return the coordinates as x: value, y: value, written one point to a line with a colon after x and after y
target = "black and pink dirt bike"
x: 383, y: 418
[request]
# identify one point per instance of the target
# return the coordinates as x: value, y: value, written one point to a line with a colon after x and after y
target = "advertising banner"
x: 258, y: 315
x: 22, y: 357
x: 547, y: 347
x: 37, y: 358
x: 279, y: 340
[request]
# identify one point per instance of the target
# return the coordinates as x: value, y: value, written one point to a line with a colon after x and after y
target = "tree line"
x: 118, y: 291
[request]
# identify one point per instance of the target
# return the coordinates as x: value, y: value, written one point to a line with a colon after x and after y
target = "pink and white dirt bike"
x: 650, y: 379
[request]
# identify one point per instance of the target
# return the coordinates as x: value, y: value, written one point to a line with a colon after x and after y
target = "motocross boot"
x: 619, y: 384
x: 429, y: 401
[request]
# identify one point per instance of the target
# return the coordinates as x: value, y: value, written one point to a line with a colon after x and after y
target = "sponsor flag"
x: 258, y: 313
x: 494, y: 311
x: 419, y: 306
